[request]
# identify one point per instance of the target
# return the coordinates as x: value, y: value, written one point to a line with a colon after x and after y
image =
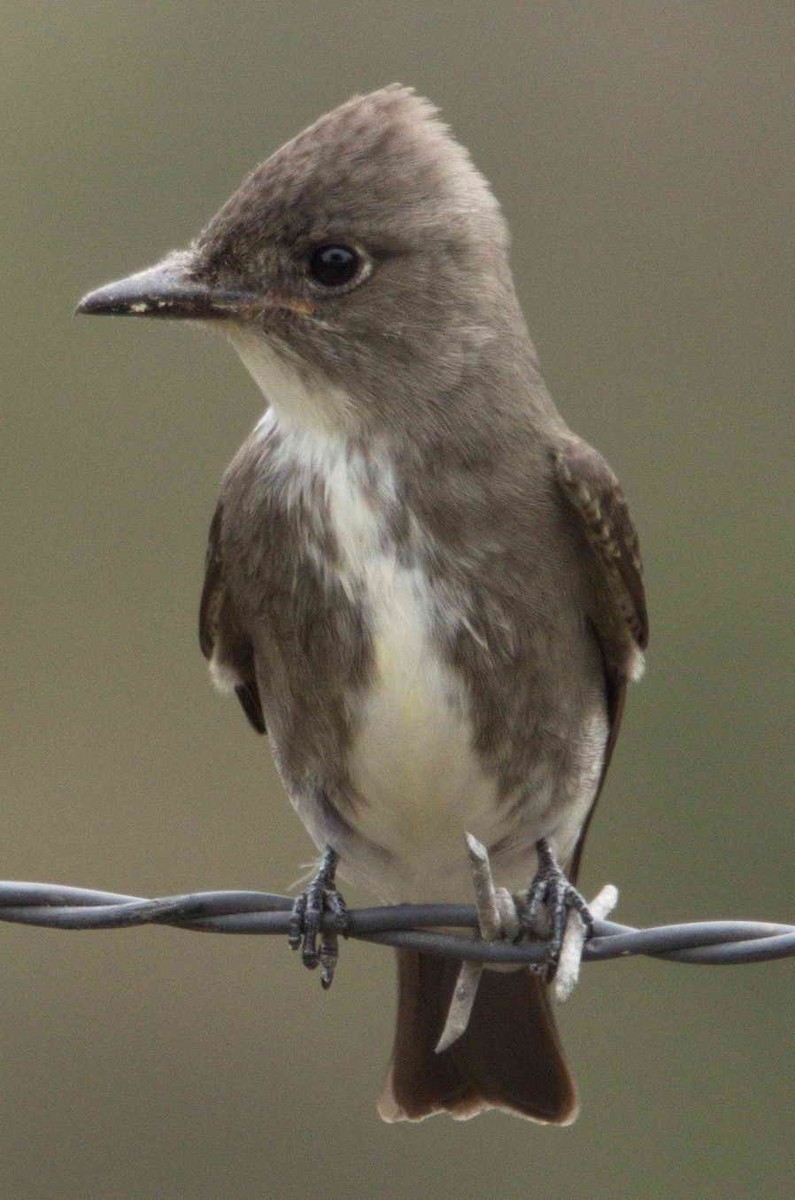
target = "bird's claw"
x: 545, y: 908
x: 306, y: 929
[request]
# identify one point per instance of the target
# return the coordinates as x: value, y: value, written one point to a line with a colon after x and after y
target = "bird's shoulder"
x: 596, y: 500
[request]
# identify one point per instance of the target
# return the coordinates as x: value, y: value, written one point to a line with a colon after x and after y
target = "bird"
x: 420, y: 583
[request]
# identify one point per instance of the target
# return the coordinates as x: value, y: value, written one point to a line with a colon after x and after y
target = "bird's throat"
x: 300, y: 398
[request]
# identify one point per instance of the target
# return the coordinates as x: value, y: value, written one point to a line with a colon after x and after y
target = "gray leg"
x: 320, y: 899
x: 545, y: 907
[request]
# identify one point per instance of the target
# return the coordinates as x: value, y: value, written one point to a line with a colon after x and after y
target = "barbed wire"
x: 411, y: 926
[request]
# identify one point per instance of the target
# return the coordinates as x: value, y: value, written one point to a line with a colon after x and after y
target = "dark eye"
x: 334, y: 266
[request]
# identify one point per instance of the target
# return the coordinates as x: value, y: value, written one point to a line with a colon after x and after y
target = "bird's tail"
x: 510, y: 1056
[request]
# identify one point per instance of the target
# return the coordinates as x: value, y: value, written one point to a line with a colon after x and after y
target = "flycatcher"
x: 419, y: 581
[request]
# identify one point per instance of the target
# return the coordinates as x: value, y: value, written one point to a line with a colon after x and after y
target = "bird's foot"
x: 544, y: 909
x: 306, y: 922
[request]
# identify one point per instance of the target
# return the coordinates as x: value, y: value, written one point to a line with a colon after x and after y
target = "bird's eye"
x: 334, y: 266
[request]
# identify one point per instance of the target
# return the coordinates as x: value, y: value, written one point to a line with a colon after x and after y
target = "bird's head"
x: 366, y: 257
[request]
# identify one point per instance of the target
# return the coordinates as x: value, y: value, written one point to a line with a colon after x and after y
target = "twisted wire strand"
x: 413, y: 926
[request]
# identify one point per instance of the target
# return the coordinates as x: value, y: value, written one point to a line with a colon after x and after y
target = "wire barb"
x: 497, y: 918
x: 574, y: 940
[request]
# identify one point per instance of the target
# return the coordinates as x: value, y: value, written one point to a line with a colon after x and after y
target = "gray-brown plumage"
x: 423, y: 585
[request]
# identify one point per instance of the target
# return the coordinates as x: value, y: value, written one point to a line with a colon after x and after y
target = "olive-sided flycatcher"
x: 419, y: 581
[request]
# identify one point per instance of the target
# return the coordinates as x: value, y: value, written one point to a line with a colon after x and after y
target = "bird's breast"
x: 418, y: 781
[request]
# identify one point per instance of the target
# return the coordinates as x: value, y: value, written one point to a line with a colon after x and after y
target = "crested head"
x: 362, y: 268
x: 382, y: 165
x: 426, y: 290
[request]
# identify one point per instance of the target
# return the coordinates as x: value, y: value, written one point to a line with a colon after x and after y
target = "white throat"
x: 298, y: 401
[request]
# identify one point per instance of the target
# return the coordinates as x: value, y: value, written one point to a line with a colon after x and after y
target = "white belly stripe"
x: 412, y: 758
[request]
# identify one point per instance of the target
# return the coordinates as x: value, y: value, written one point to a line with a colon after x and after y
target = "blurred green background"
x: 639, y: 151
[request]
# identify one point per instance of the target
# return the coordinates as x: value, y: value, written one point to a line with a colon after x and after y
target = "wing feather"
x: 618, y: 616
x: 223, y: 643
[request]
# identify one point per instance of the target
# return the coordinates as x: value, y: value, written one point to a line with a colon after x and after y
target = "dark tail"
x: 510, y: 1056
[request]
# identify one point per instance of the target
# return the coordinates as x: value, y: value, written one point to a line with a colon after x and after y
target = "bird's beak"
x: 171, y: 289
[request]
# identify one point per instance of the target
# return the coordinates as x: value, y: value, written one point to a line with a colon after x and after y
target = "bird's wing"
x: 618, y: 613
x: 222, y: 641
